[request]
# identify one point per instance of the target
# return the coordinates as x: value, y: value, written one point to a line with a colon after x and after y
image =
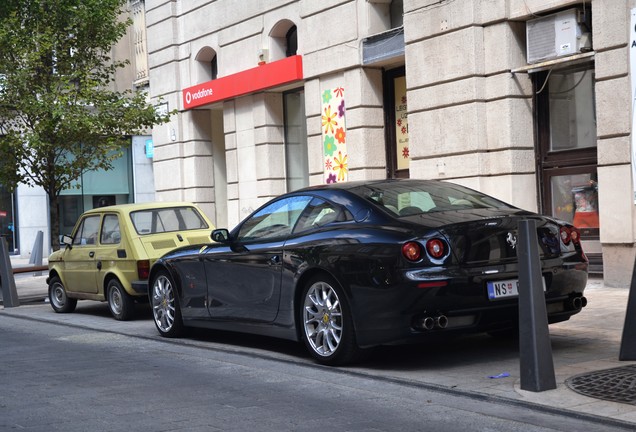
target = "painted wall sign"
x: 263, y: 77
x: 334, y: 136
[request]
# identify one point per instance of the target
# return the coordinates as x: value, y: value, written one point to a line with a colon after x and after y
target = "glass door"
x: 397, y: 126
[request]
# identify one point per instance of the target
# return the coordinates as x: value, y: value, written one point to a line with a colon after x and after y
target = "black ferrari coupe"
x: 354, y: 265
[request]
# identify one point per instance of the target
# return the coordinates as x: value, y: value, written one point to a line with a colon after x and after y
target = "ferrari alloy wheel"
x: 60, y: 302
x: 121, y: 305
x: 165, y: 306
x: 326, y: 323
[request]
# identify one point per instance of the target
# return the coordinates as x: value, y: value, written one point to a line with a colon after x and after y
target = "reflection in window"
x: 320, y: 213
x: 575, y: 199
x: 572, y: 114
x: 110, y: 230
x: 87, y: 232
x: 155, y: 221
x: 274, y: 221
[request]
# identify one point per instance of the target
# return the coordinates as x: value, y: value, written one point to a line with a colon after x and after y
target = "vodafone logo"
x: 200, y: 94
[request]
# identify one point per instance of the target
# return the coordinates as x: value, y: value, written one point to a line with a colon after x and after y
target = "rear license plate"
x: 505, y: 289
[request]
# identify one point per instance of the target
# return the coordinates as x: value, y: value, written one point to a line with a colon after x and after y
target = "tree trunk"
x: 54, y: 217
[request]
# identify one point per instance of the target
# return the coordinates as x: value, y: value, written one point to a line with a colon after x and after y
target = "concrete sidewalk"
x: 587, y: 343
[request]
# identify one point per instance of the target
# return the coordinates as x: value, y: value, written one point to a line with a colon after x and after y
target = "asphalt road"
x: 66, y: 378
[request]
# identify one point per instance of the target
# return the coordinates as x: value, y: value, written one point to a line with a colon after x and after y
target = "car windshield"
x: 411, y: 198
x: 160, y: 220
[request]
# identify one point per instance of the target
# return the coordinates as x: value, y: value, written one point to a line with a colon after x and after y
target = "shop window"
x: 7, y: 218
x: 567, y: 154
x: 296, y: 158
x: 397, y: 128
x: 566, y: 139
x: 97, y: 188
x: 572, y: 115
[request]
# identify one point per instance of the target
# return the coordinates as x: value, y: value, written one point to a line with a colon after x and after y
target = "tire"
x: 121, y: 305
x: 327, y: 324
x: 60, y: 302
x: 166, y: 312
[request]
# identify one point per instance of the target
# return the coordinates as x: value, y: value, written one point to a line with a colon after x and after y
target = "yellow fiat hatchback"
x: 109, y: 255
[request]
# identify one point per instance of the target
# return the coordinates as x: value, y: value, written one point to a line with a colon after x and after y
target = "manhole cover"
x: 616, y: 385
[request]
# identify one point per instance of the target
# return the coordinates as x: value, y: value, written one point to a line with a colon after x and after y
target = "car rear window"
x: 160, y: 220
x: 410, y: 198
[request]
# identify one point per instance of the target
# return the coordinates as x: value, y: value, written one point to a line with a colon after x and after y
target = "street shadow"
x: 100, y: 309
x: 267, y: 345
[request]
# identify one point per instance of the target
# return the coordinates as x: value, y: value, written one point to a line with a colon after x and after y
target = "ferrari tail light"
x: 143, y: 269
x: 412, y: 251
x: 570, y: 235
x: 436, y: 248
x: 575, y: 235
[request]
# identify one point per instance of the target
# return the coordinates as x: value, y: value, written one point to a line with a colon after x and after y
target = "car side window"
x: 319, y: 213
x: 110, y: 230
x: 275, y: 220
x: 86, y: 233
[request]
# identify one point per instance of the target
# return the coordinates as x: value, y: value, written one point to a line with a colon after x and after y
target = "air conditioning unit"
x: 557, y: 35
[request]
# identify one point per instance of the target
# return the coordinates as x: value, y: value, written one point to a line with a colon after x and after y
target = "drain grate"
x: 616, y: 385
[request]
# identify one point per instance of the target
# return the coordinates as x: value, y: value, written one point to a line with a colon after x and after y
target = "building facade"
x: 527, y: 100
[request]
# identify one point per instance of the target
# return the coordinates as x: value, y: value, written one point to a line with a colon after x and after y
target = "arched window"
x: 291, y: 39
x: 283, y: 40
x: 206, y: 67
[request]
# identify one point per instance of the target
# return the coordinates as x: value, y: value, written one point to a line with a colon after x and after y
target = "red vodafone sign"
x: 269, y: 75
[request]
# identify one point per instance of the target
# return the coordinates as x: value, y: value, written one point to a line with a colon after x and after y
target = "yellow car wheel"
x: 121, y: 305
x: 60, y: 302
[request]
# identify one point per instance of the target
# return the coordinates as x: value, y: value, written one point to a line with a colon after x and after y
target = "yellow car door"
x: 79, y: 258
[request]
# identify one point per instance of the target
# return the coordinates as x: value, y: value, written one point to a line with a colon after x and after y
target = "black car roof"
x: 355, y: 184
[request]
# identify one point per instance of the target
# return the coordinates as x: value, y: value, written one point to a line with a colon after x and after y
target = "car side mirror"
x: 67, y: 240
x: 221, y: 235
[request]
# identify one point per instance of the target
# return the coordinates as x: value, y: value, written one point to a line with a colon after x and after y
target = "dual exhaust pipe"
x: 441, y: 321
x: 577, y: 303
x: 429, y: 323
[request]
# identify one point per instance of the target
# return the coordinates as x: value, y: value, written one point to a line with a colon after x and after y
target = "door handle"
x: 91, y: 254
x: 99, y: 265
x: 274, y: 260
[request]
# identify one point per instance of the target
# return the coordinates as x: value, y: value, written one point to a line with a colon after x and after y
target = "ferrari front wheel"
x: 165, y: 306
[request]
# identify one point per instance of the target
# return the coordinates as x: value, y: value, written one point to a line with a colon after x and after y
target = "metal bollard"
x: 36, y: 252
x: 628, y: 341
x: 535, y: 352
x: 9, y: 291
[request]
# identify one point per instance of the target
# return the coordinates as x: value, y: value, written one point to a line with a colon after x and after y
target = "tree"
x: 59, y: 114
